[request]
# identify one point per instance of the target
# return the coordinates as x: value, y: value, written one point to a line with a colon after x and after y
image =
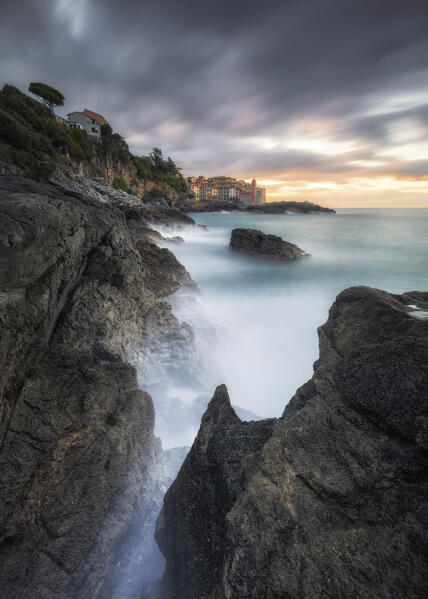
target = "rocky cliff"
x: 331, y: 499
x: 34, y: 143
x: 80, y: 308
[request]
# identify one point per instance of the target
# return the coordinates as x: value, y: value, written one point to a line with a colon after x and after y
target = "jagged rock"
x: 144, y: 232
x: 151, y: 214
x: 163, y: 273
x: 252, y: 241
x: 331, y: 499
x: 157, y: 202
x: 91, y: 187
x: 140, y: 215
x: 213, y: 469
x: 78, y: 310
x: 11, y: 170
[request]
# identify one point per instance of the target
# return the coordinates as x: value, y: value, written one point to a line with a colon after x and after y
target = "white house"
x: 88, y: 120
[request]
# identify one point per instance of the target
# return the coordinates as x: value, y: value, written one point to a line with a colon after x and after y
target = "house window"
x: 94, y: 130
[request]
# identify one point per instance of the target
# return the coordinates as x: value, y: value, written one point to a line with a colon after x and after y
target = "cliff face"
x: 79, y: 308
x: 34, y: 143
x: 331, y: 499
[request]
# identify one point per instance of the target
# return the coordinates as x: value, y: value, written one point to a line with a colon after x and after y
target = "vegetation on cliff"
x: 34, y: 140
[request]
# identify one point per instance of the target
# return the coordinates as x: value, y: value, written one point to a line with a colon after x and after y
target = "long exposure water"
x: 265, y: 314
x: 255, y: 321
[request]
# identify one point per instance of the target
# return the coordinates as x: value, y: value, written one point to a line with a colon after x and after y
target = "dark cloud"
x: 205, y: 79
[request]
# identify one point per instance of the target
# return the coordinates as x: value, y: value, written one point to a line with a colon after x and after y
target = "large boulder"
x: 256, y: 242
x: 331, y: 499
x: 79, y: 310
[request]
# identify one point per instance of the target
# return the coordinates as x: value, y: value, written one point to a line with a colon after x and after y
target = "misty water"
x: 256, y: 320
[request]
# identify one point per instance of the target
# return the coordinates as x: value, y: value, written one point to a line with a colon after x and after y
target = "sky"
x: 320, y: 100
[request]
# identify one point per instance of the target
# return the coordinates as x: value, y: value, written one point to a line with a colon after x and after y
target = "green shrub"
x: 120, y: 183
x: 32, y: 138
x: 81, y: 138
x: 13, y: 132
x: 76, y: 151
x: 106, y: 130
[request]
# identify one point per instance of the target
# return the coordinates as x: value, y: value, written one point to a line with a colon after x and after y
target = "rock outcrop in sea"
x: 291, y: 207
x: 331, y: 499
x: 261, y: 244
x: 80, y: 308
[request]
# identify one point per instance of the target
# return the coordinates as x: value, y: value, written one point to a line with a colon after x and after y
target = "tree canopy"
x: 48, y: 95
x: 156, y: 158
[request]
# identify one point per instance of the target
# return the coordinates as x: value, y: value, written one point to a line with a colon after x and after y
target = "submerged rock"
x: 331, y: 499
x: 252, y: 241
x: 79, y: 309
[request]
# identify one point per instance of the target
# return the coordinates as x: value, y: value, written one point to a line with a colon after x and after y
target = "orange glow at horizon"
x: 348, y: 171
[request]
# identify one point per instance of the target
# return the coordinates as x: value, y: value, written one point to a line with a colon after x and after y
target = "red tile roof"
x: 94, y: 115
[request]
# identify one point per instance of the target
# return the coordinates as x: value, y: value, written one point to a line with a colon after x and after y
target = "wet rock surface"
x: 155, y: 215
x: 79, y: 310
x: 163, y: 273
x: 331, y: 499
x: 256, y: 242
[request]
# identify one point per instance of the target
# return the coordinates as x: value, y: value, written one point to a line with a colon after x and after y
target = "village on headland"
x: 81, y: 147
x: 225, y: 189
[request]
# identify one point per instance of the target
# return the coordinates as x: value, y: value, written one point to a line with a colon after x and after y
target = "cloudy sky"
x: 325, y: 100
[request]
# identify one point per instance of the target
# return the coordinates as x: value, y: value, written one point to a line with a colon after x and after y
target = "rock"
x: 289, y: 208
x: 11, y: 170
x: 175, y: 240
x: 163, y: 273
x: 79, y: 310
x: 252, y: 241
x: 144, y: 232
x: 142, y: 216
x: 238, y: 206
x: 213, y: 206
x: 157, y: 202
x: 331, y: 499
x: 222, y: 443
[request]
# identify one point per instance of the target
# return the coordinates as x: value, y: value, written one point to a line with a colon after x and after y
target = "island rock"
x: 264, y: 245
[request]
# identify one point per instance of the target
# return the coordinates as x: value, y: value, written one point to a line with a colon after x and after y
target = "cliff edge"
x: 80, y: 307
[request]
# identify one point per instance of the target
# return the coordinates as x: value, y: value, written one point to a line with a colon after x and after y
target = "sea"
x: 256, y: 320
